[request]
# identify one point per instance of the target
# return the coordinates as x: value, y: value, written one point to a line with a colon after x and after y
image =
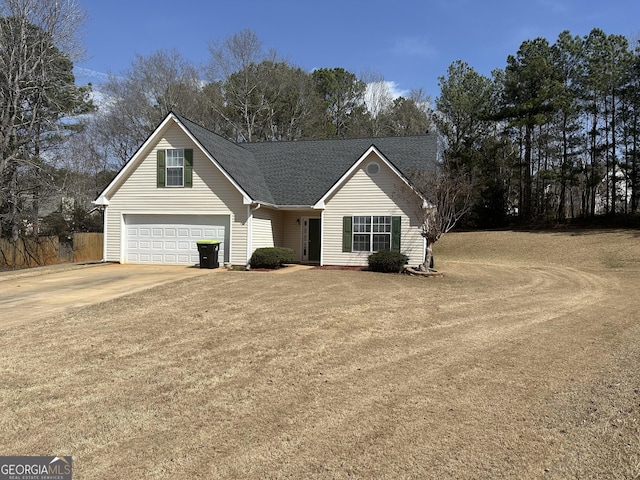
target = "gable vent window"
x: 373, y: 168
x: 175, y: 167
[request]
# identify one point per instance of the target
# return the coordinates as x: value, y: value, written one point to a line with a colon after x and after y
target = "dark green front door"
x: 314, y: 240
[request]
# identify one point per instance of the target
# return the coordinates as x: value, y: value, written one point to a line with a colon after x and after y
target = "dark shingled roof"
x: 300, y: 173
x: 238, y: 162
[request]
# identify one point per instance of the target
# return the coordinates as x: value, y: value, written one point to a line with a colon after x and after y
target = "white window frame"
x: 370, y: 226
x: 169, y: 154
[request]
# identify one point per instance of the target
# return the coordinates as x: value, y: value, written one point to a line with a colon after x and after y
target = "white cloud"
x: 387, y: 87
x: 380, y: 95
x: 395, y: 89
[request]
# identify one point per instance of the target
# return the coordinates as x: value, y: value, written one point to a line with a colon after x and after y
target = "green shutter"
x: 161, y: 168
x: 346, y: 234
x: 396, y: 223
x: 188, y: 167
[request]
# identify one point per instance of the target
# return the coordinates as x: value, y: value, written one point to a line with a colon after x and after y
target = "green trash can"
x: 208, y: 250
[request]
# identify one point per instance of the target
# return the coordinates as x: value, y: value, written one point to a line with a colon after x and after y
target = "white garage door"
x: 171, y: 239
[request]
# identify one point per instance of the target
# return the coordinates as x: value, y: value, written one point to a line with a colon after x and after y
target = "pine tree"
x: 38, y: 91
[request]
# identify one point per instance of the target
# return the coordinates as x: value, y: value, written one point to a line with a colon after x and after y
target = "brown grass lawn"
x: 523, y: 361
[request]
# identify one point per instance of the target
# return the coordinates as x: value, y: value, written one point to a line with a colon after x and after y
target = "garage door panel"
x: 171, y: 239
x: 213, y: 232
x: 138, y: 258
x: 184, y: 246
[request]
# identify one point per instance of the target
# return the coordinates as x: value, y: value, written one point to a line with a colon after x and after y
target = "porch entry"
x: 311, y: 238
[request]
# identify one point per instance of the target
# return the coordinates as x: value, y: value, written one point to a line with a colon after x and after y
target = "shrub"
x: 387, y: 262
x: 271, y: 257
x: 285, y: 254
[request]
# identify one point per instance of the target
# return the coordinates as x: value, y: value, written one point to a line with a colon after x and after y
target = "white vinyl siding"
x: 262, y: 231
x: 267, y: 228
x: 211, y: 194
x: 383, y: 194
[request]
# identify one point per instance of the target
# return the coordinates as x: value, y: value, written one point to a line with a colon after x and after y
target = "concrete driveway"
x: 36, y: 293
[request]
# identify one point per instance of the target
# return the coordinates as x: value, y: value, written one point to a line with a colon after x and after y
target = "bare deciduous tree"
x: 142, y: 96
x: 443, y: 197
x: 62, y: 20
x: 378, y: 99
x: 241, y: 65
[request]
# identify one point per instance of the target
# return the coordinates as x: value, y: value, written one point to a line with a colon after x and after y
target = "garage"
x: 171, y: 239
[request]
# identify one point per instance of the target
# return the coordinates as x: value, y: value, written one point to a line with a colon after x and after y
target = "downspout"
x: 321, y: 238
x: 104, y: 233
x: 250, y: 211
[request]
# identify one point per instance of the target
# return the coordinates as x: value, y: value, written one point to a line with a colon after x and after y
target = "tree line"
x: 249, y: 94
x: 551, y: 136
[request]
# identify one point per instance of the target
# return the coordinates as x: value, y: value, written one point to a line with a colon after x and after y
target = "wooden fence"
x: 87, y: 247
x: 34, y: 252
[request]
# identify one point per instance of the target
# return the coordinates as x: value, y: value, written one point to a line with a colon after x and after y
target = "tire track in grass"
x: 353, y: 386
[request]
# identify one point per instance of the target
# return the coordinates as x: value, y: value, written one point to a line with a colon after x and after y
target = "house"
x: 332, y: 201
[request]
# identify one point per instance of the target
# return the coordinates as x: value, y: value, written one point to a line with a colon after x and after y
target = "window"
x: 381, y: 233
x: 361, y: 234
x: 175, y: 168
x: 372, y: 233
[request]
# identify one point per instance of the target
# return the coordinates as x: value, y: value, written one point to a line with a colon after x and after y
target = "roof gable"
x: 152, y: 140
x: 291, y: 174
x: 337, y: 185
x: 303, y: 172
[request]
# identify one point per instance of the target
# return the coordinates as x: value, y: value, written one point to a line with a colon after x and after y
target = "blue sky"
x: 410, y: 43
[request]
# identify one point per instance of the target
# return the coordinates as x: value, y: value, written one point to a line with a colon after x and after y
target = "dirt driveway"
x: 37, y: 293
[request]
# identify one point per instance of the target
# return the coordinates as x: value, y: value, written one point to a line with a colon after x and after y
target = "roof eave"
x: 104, y: 196
x: 246, y: 198
x: 101, y: 200
x: 283, y: 207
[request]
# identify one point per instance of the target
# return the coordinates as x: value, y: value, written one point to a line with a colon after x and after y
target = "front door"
x: 314, y: 236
